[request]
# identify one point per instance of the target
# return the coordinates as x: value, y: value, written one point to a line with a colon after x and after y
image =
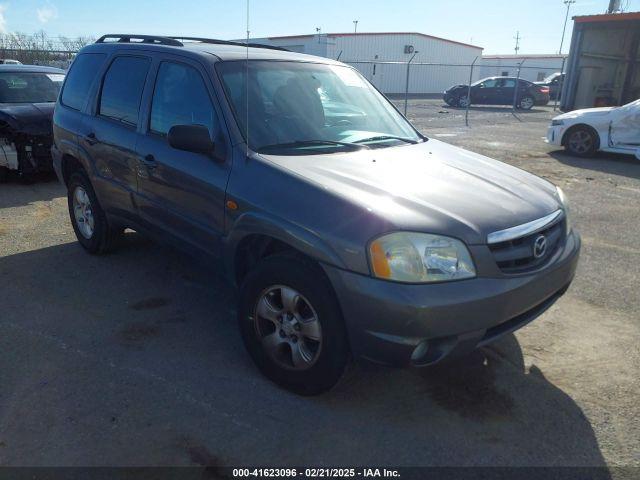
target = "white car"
x: 608, y: 129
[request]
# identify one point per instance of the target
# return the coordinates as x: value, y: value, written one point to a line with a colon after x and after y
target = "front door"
x: 484, y: 92
x: 625, y: 126
x: 183, y: 192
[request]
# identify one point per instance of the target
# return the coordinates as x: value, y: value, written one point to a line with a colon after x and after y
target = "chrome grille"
x: 518, y: 255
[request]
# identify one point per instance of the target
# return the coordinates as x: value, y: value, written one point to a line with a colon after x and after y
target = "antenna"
x: 517, y: 38
x: 247, y: 80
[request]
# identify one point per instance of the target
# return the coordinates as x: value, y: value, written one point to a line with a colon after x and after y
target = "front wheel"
x: 463, y: 101
x: 292, y: 325
x: 581, y: 141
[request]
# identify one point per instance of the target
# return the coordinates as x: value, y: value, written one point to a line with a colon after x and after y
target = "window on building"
x: 505, y: 73
x: 122, y: 89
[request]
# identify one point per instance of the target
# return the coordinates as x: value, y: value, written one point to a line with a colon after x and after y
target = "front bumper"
x: 402, y: 324
x: 554, y: 134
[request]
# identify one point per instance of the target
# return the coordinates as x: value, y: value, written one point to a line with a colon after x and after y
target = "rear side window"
x: 82, y: 74
x: 180, y: 98
x: 122, y: 89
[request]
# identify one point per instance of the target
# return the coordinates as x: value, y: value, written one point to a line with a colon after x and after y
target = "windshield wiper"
x: 310, y: 143
x: 386, y: 137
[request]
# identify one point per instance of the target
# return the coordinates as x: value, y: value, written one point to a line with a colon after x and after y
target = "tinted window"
x: 29, y: 87
x: 508, y: 83
x: 122, y: 89
x: 180, y: 98
x: 491, y: 83
x: 83, y: 71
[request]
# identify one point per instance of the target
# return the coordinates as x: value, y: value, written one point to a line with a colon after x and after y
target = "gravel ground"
x: 134, y: 358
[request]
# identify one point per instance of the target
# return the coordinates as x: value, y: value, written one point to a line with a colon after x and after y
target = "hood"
x: 596, y: 112
x: 430, y: 187
x: 34, y: 118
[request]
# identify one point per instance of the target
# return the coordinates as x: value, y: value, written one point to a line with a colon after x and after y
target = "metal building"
x: 366, y: 51
x: 533, y: 67
x: 603, y: 68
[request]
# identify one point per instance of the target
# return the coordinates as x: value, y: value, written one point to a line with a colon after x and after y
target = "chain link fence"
x: 40, y: 48
x: 408, y: 80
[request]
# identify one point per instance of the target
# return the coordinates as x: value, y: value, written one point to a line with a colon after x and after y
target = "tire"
x: 93, y: 232
x: 450, y: 100
x: 462, y: 101
x: 526, y: 103
x: 316, y: 331
x: 581, y: 141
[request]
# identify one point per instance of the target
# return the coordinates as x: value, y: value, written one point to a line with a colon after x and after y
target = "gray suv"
x: 346, y: 231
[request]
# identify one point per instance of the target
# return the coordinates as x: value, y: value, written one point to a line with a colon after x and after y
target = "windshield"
x: 29, y: 87
x: 310, y: 108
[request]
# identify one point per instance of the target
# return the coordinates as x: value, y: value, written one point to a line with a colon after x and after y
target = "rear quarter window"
x: 83, y: 72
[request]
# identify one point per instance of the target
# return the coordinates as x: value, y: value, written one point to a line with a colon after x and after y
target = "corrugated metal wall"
x: 536, y: 68
x: 391, y: 47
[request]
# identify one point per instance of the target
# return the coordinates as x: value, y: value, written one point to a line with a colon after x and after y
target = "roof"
x: 364, y: 34
x: 212, y: 51
x: 29, y: 68
x: 512, y: 56
x: 607, y: 17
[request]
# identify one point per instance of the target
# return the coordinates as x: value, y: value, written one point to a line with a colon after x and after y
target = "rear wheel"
x: 292, y: 325
x: 87, y: 217
x: 581, y: 141
x: 527, y: 102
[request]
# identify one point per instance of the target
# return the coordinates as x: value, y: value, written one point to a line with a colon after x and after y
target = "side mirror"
x: 192, y: 138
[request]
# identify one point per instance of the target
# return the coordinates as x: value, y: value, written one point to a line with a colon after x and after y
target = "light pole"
x: 355, y: 26
x: 566, y: 17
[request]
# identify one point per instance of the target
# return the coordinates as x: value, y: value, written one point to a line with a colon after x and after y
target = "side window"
x: 509, y: 83
x: 180, y: 98
x: 122, y: 89
x: 490, y: 83
x: 79, y: 79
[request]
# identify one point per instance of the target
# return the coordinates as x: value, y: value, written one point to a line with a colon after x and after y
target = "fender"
x: 300, y: 238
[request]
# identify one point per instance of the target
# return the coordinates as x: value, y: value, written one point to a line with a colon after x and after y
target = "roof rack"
x: 126, y: 38
x: 229, y: 42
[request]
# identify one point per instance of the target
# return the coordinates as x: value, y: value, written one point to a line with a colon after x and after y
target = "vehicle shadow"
x: 43, y: 187
x: 143, y: 344
x: 495, y: 109
x: 611, y: 163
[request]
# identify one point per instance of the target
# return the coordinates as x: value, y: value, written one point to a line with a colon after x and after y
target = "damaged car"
x: 27, y: 97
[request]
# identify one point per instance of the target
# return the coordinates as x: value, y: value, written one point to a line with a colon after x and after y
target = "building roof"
x: 607, y: 17
x: 364, y: 34
x: 511, y: 56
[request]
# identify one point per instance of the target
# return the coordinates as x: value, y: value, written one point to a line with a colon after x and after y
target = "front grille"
x: 517, y: 255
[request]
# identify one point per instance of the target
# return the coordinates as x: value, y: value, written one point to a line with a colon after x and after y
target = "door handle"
x: 149, y: 161
x: 90, y: 138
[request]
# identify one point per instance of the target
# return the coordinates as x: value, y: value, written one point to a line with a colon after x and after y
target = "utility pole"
x: 568, y: 3
x: 355, y: 26
x: 517, y: 38
x: 318, y: 31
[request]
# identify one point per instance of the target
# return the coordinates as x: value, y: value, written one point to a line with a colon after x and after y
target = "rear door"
x: 182, y: 192
x: 110, y: 135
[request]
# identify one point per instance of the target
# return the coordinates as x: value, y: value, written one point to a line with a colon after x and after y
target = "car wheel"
x: 292, y: 325
x: 87, y: 217
x: 450, y: 100
x: 581, y: 141
x: 527, y: 102
x: 463, y: 101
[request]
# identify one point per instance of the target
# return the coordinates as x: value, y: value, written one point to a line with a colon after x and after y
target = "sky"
x: 489, y: 24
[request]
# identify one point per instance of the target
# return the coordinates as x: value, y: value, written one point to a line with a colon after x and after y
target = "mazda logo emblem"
x: 540, y: 246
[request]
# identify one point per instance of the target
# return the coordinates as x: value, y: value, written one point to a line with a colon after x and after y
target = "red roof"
x: 608, y: 17
x: 378, y: 33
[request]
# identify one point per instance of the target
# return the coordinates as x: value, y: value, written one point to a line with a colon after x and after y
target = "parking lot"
x: 134, y: 358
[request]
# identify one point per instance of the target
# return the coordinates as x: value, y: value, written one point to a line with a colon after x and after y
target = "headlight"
x: 420, y: 258
x: 555, y: 123
x: 565, y: 206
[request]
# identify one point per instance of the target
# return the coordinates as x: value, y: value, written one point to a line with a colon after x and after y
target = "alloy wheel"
x: 83, y: 212
x: 288, y: 327
x: 580, y: 141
